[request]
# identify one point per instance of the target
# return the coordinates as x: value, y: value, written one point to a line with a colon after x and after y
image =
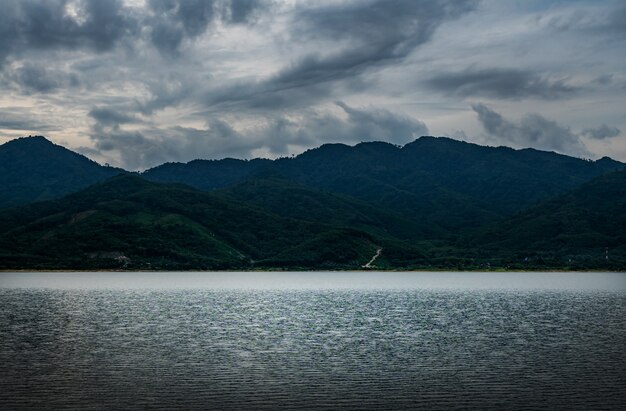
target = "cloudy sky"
x: 137, y: 83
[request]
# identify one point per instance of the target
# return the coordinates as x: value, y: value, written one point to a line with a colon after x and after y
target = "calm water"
x: 313, y: 340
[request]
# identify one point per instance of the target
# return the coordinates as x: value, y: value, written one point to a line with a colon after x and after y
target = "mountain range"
x: 435, y: 203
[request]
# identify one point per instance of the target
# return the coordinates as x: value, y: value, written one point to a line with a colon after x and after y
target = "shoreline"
x: 433, y: 270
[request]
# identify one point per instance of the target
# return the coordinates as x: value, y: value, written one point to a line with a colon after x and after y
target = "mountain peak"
x: 28, y: 141
x: 35, y: 169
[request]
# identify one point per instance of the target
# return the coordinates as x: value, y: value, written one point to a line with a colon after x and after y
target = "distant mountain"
x: 128, y: 222
x: 449, y: 183
x: 433, y: 203
x: 574, y: 229
x: 34, y: 169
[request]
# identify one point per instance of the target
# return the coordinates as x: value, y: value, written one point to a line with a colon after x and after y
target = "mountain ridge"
x: 435, y: 203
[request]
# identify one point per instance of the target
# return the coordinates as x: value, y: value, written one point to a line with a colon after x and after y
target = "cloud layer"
x: 533, y: 130
x: 148, y: 147
x: 135, y: 83
x: 500, y: 84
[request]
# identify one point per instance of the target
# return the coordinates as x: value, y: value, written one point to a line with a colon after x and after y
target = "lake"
x: 327, y: 340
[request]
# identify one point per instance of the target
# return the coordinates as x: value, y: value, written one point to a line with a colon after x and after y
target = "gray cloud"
x: 617, y: 20
x: 46, y: 25
x: 30, y: 78
x: 500, y: 83
x: 381, y: 29
x: 22, y: 119
x: 173, y: 21
x: 375, y: 33
x: 249, y: 77
x: 243, y: 11
x: 100, y: 25
x: 166, y: 91
x: 110, y: 117
x: 381, y: 125
x: 148, y: 147
x: 610, y: 21
x: 277, y: 135
x: 602, y: 132
x: 604, y: 79
x: 532, y: 131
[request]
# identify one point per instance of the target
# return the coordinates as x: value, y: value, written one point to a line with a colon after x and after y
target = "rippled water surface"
x: 231, y: 342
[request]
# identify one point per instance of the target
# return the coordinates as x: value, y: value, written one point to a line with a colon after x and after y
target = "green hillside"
x: 574, y: 230
x: 127, y: 222
x: 433, y: 204
x: 300, y: 202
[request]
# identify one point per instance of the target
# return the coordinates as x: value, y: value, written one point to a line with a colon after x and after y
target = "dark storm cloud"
x: 31, y: 78
x: 532, y: 130
x: 602, y: 132
x: 500, y: 83
x: 173, y: 21
x: 46, y: 25
x: 99, y: 25
x: 373, y: 33
x: 174, y: 80
x: 151, y: 146
x: 110, y: 117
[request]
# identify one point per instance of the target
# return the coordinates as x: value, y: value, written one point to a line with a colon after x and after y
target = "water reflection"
x: 81, y: 343
x: 319, y: 280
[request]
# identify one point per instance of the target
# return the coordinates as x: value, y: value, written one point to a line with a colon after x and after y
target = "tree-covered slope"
x: 434, y: 203
x: 297, y: 201
x: 207, y: 174
x: 34, y: 169
x: 450, y: 184
x: 444, y: 171
x: 576, y: 228
x: 127, y: 222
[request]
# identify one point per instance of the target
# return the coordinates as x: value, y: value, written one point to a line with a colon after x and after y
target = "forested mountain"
x: 450, y: 183
x: 579, y: 228
x: 472, y: 183
x: 297, y: 201
x: 128, y: 222
x: 433, y: 203
x: 35, y: 169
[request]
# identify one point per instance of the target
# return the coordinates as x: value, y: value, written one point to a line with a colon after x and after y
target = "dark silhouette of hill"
x: 34, y: 169
x: 449, y: 183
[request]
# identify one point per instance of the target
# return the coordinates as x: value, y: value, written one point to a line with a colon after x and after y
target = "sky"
x: 138, y: 83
